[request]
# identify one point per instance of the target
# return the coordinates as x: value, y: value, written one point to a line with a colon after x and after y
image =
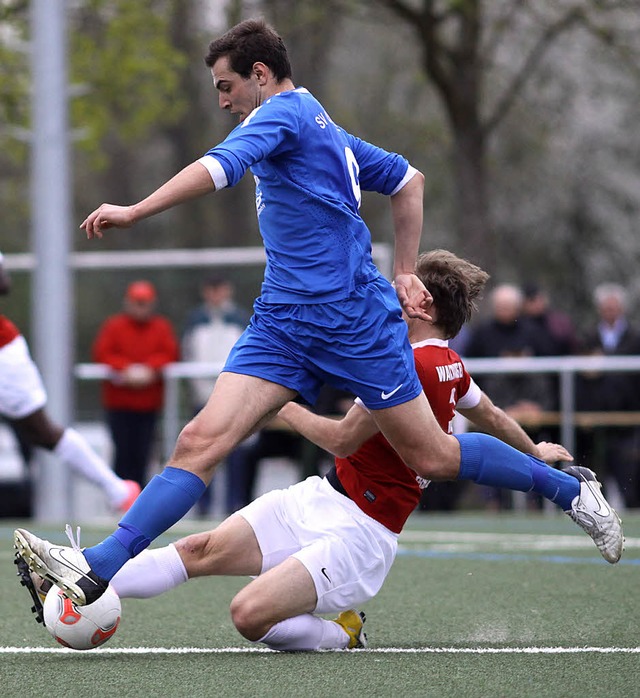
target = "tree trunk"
x: 471, y: 207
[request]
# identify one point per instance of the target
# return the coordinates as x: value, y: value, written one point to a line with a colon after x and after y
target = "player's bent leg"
x: 574, y: 489
x: 486, y: 460
x: 285, y: 591
x: 275, y: 609
x: 230, y: 549
x: 238, y: 406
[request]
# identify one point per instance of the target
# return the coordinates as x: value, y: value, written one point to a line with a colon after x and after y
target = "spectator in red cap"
x: 141, y: 291
x: 136, y: 344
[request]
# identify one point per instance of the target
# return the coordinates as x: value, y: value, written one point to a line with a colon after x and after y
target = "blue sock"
x: 163, y: 502
x: 555, y: 485
x: 489, y: 461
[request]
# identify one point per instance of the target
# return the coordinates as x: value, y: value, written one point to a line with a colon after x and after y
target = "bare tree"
x: 460, y: 43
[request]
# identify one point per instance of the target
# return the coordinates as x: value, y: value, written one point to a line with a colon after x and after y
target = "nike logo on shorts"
x: 324, y: 571
x: 386, y: 396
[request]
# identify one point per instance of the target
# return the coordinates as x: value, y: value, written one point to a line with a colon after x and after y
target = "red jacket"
x: 123, y: 341
x: 8, y: 331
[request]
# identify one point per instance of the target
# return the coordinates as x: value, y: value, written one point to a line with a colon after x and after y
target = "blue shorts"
x: 359, y: 344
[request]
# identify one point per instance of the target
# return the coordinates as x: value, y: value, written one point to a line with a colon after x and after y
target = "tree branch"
x: 503, y: 23
x: 552, y: 32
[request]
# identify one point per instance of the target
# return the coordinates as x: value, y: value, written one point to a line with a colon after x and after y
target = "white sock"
x: 306, y: 632
x: 150, y: 573
x: 74, y: 450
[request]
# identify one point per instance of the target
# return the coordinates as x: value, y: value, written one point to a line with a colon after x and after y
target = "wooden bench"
x: 584, y: 420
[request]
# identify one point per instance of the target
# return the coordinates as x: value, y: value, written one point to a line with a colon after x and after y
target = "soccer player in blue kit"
x: 325, y: 314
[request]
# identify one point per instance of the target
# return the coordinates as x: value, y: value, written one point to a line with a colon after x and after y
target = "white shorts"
x: 21, y: 389
x: 347, y: 553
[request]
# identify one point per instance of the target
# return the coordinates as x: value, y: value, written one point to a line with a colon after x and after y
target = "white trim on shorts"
x: 347, y: 553
x: 21, y: 389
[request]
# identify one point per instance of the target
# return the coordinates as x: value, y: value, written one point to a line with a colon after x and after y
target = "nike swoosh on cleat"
x: 60, y: 558
x: 602, y: 511
x: 386, y: 396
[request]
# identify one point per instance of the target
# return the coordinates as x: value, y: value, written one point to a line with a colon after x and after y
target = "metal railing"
x: 565, y: 367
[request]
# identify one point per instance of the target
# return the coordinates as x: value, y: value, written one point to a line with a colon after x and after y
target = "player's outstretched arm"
x: 495, y: 421
x: 341, y: 437
x: 190, y: 183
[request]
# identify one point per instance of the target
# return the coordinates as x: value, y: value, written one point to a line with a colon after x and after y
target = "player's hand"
x: 552, y: 453
x: 107, y: 216
x: 413, y: 296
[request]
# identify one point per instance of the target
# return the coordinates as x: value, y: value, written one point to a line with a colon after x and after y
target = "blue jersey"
x: 308, y: 173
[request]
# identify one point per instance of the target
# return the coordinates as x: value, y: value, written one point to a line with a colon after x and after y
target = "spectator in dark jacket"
x: 556, y: 333
x: 520, y: 395
x: 616, y: 447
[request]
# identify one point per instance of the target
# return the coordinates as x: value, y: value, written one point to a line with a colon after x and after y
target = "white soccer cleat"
x: 591, y: 511
x: 65, y: 566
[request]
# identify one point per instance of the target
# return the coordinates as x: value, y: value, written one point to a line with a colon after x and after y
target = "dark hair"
x: 531, y: 290
x: 215, y: 281
x: 248, y: 42
x: 455, y: 284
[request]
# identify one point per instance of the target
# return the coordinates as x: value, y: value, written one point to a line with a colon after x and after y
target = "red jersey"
x: 8, y: 331
x: 123, y: 341
x: 375, y: 477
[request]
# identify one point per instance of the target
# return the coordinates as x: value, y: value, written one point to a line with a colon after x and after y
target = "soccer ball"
x: 81, y: 627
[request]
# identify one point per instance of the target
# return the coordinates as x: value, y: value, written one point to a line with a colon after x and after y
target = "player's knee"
x: 248, y: 615
x: 195, y: 552
x: 200, y: 447
x: 438, y: 463
x: 191, y: 439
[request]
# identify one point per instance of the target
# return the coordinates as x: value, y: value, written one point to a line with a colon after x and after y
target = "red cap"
x: 141, y: 291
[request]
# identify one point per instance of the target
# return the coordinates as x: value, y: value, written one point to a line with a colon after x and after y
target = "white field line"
x: 469, y: 541
x: 375, y: 650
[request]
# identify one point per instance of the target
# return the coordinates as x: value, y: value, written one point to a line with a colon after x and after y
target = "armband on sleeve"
x: 408, y: 175
x: 216, y: 171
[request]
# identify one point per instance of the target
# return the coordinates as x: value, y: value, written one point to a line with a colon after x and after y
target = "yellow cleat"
x: 352, y: 622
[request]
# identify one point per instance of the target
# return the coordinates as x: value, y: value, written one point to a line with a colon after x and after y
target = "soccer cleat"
x: 133, y: 490
x: 352, y: 622
x: 36, y: 585
x: 591, y: 511
x: 65, y: 566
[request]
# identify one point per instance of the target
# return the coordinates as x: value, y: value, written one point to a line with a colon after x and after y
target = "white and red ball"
x: 81, y: 627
